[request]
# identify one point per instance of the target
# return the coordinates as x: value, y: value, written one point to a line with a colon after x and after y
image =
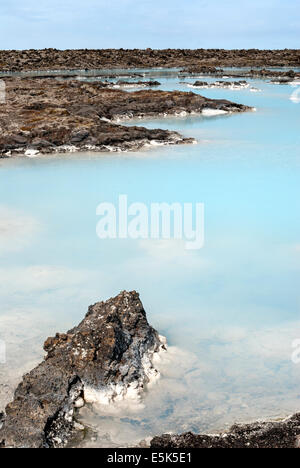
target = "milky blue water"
x: 230, y: 311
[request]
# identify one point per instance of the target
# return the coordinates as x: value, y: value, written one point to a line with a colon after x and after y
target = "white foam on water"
x: 130, y: 85
x: 156, y: 143
x: 114, y: 423
x: 211, y: 112
x: 115, y: 398
x: 220, y: 85
x: 31, y: 153
x: 181, y: 114
x: 67, y: 149
x: 294, y: 83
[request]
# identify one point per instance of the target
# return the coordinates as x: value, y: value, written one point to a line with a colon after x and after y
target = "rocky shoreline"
x: 261, y: 73
x: 43, y: 116
x: 53, y: 59
x: 266, y: 434
x: 283, y: 77
x: 110, y: 354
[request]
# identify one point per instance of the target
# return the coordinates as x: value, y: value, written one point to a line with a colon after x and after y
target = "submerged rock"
x: 136, y: 84
x: 221, y: 84
x: 110, y: 351
x: 271, y: 434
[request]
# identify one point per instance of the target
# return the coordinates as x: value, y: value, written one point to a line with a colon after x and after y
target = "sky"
x: 72, y: 24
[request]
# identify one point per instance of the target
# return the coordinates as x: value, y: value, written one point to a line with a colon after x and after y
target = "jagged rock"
x: 281, y: 80
x: 57, y: 116
x: 271, y: 434
x: 109, y: 352
x: 201, y: 84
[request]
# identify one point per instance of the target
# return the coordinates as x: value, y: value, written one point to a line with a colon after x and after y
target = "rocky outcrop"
x: 203, y: 69
x: 281, y: 75
x: 48, y: 116
x: 111, y: 352
x: 221, y: 84
x: 53, y: 59
x: 272, y: 434
x: 264, y: 73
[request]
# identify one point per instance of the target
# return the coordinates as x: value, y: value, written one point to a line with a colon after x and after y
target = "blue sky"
x: 149, y: 23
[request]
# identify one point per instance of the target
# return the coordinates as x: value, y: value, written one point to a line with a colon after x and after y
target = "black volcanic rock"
x: 58, y: 116
x: 200, y: 83
x: 221, y: 84
x: 142, y: 84
x: 271, y: 434
x: 107, y: 349
x: 287, y: 75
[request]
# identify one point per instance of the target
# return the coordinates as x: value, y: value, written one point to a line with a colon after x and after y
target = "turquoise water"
x: 230, y: 311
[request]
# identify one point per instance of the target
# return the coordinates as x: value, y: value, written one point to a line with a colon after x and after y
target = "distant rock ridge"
x: 49, y: 59
x: 110, y: 351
